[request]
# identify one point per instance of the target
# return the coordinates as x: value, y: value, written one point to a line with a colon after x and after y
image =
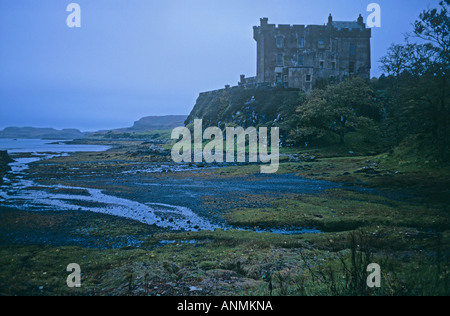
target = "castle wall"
x: 297, y: 56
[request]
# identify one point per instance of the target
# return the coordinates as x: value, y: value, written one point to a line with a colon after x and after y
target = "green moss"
x: 339, y: 210
x: 227, y: 263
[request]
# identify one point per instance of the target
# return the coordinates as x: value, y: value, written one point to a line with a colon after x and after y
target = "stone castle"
x: 297, y: 56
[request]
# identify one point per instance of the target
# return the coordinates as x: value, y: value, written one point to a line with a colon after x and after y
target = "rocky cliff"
x: 245, y: 107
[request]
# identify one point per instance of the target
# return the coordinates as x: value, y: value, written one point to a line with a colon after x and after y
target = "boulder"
x: 5, y: 159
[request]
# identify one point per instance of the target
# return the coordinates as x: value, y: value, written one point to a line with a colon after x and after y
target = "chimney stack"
x: 360, y: 19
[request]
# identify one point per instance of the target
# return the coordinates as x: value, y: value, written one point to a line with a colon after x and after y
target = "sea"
x: 44, y: 146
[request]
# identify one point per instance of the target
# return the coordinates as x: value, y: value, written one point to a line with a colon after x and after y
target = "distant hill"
x: 153, y: 123
x: 44, y: 133
x: 148, y: 123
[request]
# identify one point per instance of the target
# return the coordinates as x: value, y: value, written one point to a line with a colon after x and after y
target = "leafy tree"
x: 338, y: 108
x: 310, y: 124
x: 418, y: 102
x: 434, y: 28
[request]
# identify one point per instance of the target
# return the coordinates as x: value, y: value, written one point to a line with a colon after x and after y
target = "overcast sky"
x: 134, y: 58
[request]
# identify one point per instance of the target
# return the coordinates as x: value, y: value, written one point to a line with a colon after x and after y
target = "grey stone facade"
x: 296, y: 56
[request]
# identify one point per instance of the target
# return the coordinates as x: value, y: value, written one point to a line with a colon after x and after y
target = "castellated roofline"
x: 357, y: 25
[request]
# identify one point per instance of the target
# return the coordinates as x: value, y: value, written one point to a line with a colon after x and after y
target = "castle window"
x: 322, y: 64
x: 280, y: 41
x: 280, y: 60
x: 301, y: 42
x: 351, y: 67
x: 278, y: 78
x: 333, y: 65
x: 321, y: 43
x: 352, y: 49
x: 300, y: 60
x: 308, y: 78
x: 285, y: 78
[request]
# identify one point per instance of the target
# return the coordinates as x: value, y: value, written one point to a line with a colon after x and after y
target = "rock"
x: 171, y: 267
x: 301, y: 158
x: 194, y: 288
x: 5, y: 159
x: 367, y: 170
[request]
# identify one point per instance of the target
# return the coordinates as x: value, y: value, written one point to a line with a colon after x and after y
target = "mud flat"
x: 141, y: 185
